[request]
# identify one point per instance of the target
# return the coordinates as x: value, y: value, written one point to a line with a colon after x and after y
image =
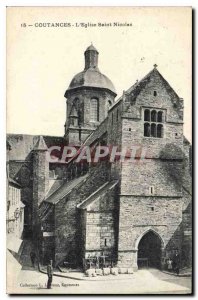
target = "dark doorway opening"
x: 149, y: 251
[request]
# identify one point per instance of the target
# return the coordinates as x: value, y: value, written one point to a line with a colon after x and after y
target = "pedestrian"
x: 49, y: 274
x: 32, y: 257
x: 176, y: 261
x: 169, y: 264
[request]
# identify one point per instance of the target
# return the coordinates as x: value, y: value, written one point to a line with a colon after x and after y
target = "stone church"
x: 133, y: 213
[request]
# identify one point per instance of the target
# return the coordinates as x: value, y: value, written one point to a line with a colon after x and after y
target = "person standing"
x: 176, y: 261
x: 32, y: 257
x: 49, y: 274
x: 169, y: 264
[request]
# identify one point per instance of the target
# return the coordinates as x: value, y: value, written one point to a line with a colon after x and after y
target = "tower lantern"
x: 91, y: 57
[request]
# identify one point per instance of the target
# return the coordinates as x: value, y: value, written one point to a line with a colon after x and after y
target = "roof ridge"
x: 94, y: 193
x: 110, y: 183
x: 68, y: 185
x: 140, y: 81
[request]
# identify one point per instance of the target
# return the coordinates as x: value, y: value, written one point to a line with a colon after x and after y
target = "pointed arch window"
x: 94, y: 110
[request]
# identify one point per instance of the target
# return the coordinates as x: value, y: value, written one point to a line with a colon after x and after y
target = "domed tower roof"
x: 91, y: 48
x: 91, y: 76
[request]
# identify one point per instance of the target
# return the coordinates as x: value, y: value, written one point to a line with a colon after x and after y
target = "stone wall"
x: 187, y: 231
x: 151, y: 189
x: 138, y: 215
x: 171, y: 145
x: 22, y: 172
x: 152, y: 176
x: 21, y: 169
x: 68, y: 227
x: 81, y: 99
x: 101, y: 225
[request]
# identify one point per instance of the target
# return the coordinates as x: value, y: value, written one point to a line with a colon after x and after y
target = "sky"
x: 41, y: 61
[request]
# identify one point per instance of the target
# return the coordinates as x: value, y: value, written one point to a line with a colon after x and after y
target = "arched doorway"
x: 149, y: 251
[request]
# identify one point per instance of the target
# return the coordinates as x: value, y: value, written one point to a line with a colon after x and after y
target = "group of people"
x: 174, y: 264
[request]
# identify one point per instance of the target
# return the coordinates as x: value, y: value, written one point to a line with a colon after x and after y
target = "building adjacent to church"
x: 15, y: 207
x: 127, y: 211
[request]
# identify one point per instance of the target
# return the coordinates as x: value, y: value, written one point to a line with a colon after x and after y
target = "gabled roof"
x: 97, y: 194
x: 65, y: 189
x: 138, y: 86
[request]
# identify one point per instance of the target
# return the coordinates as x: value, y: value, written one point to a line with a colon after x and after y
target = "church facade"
x: 133, y: 211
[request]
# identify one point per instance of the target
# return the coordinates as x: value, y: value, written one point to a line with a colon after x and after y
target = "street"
x: 148, y: 281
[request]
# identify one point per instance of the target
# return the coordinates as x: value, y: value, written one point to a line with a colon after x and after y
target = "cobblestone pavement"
x: 141, y: 282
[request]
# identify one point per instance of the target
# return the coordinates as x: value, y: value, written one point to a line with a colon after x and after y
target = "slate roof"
x: 136, y: 88
x: 55, y: 186
x: 91, y: 78
x: 40, y: 144
x: 91, y: 48
x: 97, y: 194
x: 65, y: 189
x: 23, y: 144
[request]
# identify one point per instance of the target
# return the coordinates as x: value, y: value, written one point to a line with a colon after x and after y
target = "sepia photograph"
x: 99, y: 150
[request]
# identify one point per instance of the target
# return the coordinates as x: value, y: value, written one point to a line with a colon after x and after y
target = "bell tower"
x: 89, y: 96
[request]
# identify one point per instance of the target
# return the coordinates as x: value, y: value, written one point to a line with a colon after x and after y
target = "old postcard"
x: 99, y: 150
